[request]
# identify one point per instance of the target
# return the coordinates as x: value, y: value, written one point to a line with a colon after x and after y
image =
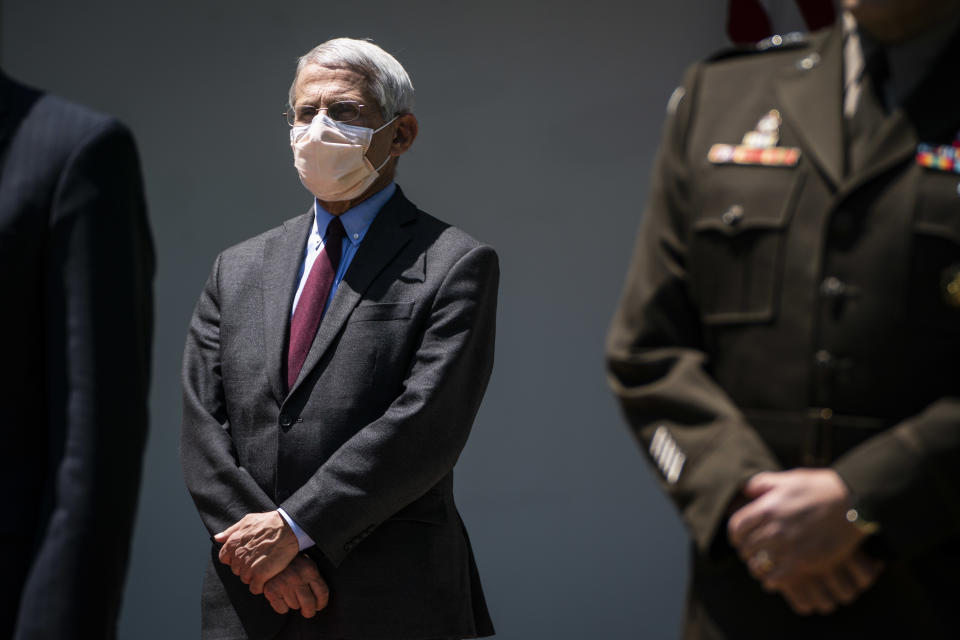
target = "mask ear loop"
x: 386, y: 124
x: 377, y: 130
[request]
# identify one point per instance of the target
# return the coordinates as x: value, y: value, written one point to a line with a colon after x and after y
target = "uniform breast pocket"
x: 737, y: 243
x: 934, y: 287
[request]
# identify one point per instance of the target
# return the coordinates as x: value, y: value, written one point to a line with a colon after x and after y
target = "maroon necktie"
x: 313, y: 300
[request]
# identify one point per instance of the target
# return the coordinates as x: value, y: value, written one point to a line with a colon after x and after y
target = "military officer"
x: 787, y: 347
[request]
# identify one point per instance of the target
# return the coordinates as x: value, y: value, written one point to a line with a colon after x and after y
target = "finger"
x: 226, y: 553
x: 289, y: 595
x: 783, y: 570
x: 321, y: 592
x: 864, y: 570
x: 759, y: 484
x: 744, y: 521
x: 260, y: 571
x: 759, y: 564
x: 765, y: 539
x: 279, y: 589
x: 223, y: 535
x: 278, y: 605
x: 823, y: 602
x: 274, y: 594
x: 248, y: 575
x: 797, y: 597
x: 308, y: 603
x: 841, y: 585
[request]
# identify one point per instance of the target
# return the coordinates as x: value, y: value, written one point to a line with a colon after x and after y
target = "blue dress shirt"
x: 356, y: 221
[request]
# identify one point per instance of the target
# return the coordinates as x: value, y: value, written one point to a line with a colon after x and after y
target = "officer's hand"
x: 299, y: 586
x: 258, y: 547
x: 822, y: 593
x: 795, y: 523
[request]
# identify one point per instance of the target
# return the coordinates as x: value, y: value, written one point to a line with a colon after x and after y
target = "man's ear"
x: 404, y: 134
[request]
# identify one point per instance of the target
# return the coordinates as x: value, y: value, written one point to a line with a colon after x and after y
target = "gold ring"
x: 762, y: 562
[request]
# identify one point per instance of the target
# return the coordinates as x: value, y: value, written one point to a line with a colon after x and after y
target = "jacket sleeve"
x: 222, y: 490
x: 395, y: 459
x: 98, y: 294
x: 907, y: 479
x: 657, y: 367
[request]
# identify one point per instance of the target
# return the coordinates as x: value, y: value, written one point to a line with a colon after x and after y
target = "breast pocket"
x: 934, y: 292
x: 737, y: 243
x: 372, y: 311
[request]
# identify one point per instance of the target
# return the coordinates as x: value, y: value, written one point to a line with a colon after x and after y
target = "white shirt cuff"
x: 303, y: 539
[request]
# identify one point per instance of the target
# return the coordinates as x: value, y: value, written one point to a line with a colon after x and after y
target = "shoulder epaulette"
x: 791, y: 40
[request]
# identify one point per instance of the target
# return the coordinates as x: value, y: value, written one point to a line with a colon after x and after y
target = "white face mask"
x: 331, y: 158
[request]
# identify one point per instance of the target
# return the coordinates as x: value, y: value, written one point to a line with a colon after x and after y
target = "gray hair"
x: 387, y: 81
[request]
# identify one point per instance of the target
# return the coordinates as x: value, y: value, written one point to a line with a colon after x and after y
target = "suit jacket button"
x: 832, y: 287
x: 285, y: 420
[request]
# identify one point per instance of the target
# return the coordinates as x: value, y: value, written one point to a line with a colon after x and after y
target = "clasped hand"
x: 794, y: 537
x: 263, y: 551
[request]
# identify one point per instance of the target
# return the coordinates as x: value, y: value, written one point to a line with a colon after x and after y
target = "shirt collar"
x: 357, y: 219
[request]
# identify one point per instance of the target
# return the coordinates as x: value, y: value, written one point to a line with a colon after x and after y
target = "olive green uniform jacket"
x: 777, y: 316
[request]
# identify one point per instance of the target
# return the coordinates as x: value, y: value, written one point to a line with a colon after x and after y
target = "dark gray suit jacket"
x: 76, y: 264
x: 361, y: 450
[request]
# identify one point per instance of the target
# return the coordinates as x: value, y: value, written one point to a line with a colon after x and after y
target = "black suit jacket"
x: 76, y: 264
x: 360, y: 451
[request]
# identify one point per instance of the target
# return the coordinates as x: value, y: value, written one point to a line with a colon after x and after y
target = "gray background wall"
x: 538, y: 125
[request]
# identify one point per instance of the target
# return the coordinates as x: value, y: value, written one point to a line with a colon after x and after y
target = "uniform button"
x: 826, y: 413
x: 823, y: 358
x: 732, y: 216
x: 832, y: 287
x: 809, y: 62
x: 285, y: 420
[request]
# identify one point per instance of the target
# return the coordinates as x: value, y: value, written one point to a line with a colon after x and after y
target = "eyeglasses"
x: 343, y: 111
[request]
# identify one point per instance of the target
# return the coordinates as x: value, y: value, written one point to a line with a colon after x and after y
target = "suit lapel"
x: 384, y: 240
x: 893, y: 142
x: 282, y: 257
x: 811, y: 97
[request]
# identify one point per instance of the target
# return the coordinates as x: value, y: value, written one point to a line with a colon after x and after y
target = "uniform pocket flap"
x: 940, y: 230
x: 747, y: 223
x: 742, y: 199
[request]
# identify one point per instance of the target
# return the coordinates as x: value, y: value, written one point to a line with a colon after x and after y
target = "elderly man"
x: 333, y: 369
x: 788, y: 342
